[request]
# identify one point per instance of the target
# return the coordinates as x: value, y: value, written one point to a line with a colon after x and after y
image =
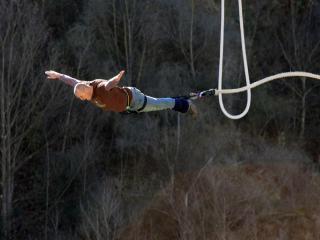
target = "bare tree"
x: 189, y: 31
x: 22, y: 91
x: 299, y: 46
x: 102, y: 216
x: 119, y: 32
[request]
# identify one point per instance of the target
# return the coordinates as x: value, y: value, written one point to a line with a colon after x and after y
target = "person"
x: 107, y: 95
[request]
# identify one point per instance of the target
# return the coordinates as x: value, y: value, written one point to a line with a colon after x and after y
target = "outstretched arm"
x: 64, y: 78
x: 113, y: 82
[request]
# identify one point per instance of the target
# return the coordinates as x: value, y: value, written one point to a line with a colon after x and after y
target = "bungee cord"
x: 245, y: 63
x: 265, y: 80
x: 220, y: 91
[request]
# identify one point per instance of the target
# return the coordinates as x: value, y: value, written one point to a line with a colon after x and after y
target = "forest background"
x: 71, y: 171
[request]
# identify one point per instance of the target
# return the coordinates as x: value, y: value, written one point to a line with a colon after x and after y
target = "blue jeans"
x: 153, y: 104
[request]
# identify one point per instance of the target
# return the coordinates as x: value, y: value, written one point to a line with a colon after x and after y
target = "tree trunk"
x: 193, y: 73
x: 6, y: 178
x: 303, y: 111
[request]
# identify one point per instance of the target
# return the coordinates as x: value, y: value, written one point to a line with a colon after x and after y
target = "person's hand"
x: 118, y: 77
x: 53, y: 75
x: 113, y: 82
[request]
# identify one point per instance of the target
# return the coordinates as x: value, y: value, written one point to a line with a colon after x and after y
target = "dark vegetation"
x: 71, y: 171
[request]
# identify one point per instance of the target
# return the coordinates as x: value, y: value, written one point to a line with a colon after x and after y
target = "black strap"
x: 144, y: 104
x: 128, y: 111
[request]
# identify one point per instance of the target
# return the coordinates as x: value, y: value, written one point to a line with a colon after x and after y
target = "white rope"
x: 268, y: 79
x: 220, y: 92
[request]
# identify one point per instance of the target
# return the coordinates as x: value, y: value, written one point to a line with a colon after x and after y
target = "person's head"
x: 83, y: 91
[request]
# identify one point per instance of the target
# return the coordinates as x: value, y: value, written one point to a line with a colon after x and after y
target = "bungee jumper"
x: 107, y: 95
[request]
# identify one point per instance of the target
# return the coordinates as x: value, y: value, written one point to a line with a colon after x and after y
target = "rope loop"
x: 220, y: 92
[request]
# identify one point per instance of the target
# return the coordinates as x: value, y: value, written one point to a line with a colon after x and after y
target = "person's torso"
x: 116, y: 99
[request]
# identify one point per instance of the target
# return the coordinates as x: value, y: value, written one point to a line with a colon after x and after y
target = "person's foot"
x: 193, y: 111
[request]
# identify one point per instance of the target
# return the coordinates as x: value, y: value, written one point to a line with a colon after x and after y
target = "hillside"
x: 279, y: 201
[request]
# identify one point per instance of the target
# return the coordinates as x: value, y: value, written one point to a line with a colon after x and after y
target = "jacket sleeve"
x: 69, y: 80
x: 108, y: 84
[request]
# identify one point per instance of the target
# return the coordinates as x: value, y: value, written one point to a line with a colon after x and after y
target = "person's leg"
x: 137, y: 99
x: 152, y: 104
x: 157, y: 104
x: 181, y: 105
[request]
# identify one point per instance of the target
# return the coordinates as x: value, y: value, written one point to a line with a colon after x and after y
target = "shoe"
x: 193, y: 111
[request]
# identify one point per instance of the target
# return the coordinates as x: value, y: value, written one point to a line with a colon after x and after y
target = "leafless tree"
x: 300, y: 53
x: 22, y: 91
x: 101, y: 217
